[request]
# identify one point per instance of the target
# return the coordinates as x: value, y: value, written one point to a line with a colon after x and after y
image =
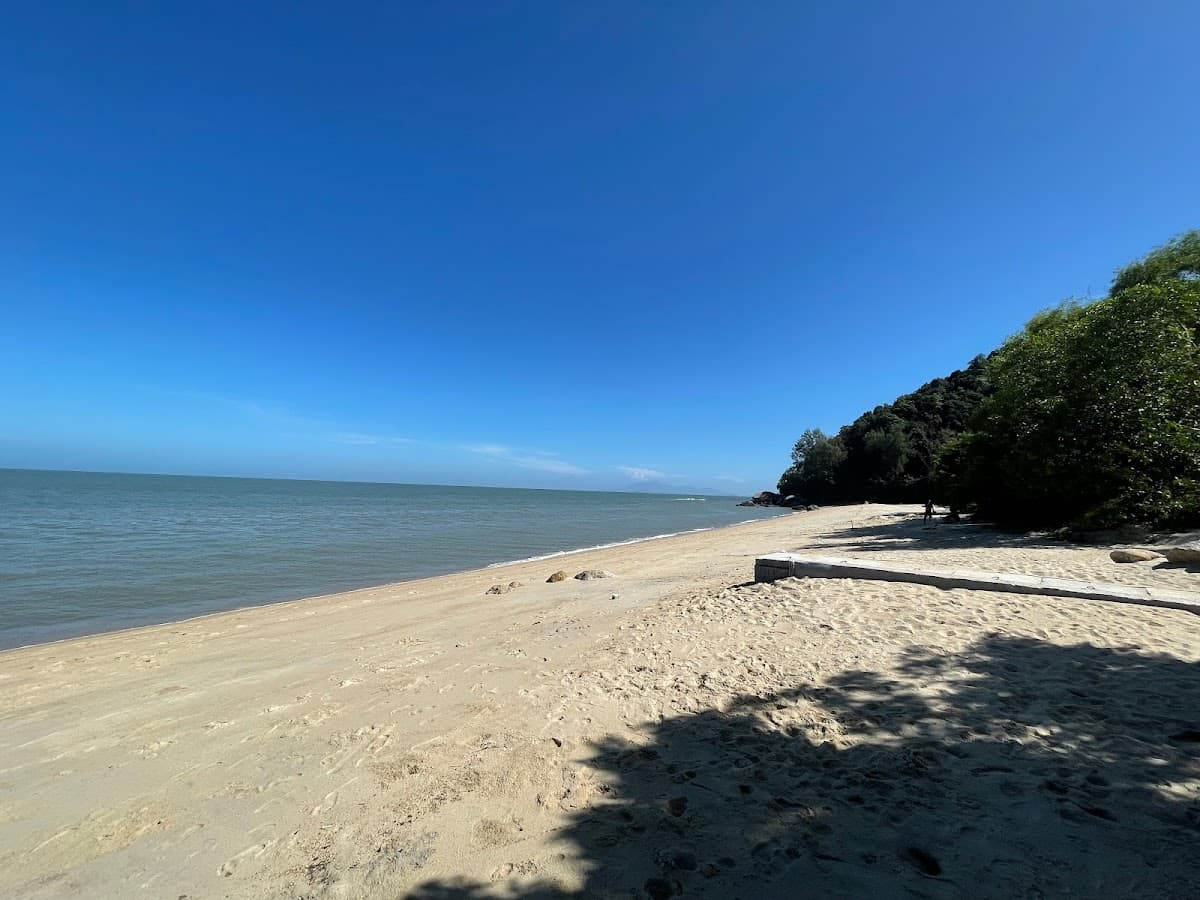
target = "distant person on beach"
x: 928, y: 511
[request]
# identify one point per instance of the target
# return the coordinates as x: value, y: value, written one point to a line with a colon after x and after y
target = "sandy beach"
x: 672, y: 731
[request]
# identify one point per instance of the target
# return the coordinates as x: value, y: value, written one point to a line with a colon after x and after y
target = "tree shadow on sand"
x: 1016, y: 769
x: 904, y: 531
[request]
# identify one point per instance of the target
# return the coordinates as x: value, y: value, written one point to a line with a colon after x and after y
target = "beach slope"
x: 672, y: 731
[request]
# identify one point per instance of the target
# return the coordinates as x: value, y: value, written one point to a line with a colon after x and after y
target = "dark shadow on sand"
x: 995, y: 784
x: 904, y: 531
x: 1191, y: 568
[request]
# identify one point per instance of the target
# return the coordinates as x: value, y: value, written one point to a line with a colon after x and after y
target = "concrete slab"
x: 789, y: 565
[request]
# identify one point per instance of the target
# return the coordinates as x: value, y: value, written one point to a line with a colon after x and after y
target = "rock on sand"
x: 1184, y: 553
x: 503, y: 588
x: 1132, y: 555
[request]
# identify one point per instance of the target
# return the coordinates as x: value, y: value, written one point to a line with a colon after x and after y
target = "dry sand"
x: 693, y: 736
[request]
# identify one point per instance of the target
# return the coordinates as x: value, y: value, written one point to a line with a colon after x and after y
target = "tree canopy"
x: 1095, y: 419
x: 889, y: 452
x: 1089, y: 416
x: 1177, y: 259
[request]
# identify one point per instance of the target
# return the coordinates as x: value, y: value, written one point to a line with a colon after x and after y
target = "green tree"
x: 1178, y: 258
x: 1090, y: 415
x: 889, y: 452
x: 817, y: 460
x: 1095, y: 417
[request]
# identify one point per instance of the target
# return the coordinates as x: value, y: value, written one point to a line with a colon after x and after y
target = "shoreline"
x: 381, y: 585
x: 654, y: 537
x: 584, y: 738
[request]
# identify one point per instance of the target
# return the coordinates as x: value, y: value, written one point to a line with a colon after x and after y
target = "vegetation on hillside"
x: 1089, y: 416
x: 887, y: 454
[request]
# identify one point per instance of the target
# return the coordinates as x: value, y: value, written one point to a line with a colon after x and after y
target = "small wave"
x: 653, y: 537
x: 698, y: 499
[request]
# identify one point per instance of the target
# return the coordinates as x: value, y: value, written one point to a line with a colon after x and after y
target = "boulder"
x: 765, y: 498
x: 1188, y: 553
x: 1133, y: 555
x: 560, y: 575
x: 769, y: 498
x: 589, y: 574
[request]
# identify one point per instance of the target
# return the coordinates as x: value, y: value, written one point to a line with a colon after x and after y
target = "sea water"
x: 84, y: 552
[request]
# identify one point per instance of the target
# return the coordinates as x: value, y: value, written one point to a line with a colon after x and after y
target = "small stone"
x: 560, y: 575
x: 589, y: 574
x: 503, y: 588
x: 677, y: 806
x: 1132, y: 555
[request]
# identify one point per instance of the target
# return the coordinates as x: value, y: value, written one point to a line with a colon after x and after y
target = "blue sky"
x: 552, y: 244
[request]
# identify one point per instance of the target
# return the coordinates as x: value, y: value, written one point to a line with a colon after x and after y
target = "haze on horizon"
x: 546, y: 245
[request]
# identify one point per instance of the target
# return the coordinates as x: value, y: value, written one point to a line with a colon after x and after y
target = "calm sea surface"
x: 87, y: 552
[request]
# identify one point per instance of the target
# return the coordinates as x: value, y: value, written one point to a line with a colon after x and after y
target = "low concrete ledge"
x: 789, y: 565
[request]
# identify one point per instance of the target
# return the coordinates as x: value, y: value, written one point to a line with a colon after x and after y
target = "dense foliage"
x: 1095, y: 419
x: 1090, y: 416
x: 1178, y: 259
x: 887, y: 454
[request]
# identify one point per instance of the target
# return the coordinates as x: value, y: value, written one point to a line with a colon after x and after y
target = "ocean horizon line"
x: 486, y: 487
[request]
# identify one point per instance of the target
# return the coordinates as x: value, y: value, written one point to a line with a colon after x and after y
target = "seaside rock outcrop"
x: 560, y: 575
x: 589, y: 574
x: 770, y: 498
x: 503, y: 588
x: 1188, y: 553
x: 1133, y: 555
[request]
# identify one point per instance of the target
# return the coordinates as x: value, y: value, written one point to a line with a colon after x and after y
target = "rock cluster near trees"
x: 770, y: 498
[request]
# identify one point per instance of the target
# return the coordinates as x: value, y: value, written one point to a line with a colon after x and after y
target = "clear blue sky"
x: 552, y: 244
